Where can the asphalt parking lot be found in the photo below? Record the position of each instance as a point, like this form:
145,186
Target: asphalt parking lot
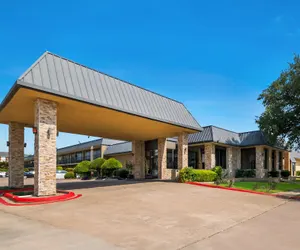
152,215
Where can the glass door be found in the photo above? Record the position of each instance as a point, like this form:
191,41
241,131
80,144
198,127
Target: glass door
152,164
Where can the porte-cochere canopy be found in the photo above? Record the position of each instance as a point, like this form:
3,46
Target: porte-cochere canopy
93,103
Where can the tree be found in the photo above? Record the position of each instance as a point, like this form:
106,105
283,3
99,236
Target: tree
280,122
83,168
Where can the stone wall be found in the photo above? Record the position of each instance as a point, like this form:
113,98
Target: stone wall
45,148
210,157
259,162
183,151
162,158
16,155
138,159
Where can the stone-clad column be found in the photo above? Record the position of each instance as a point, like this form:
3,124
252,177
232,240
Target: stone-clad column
162,157
138,151
92,153
286,156
16,155
270,159
199,158
183,151
210,156
277,160
259,162
238,158
45,148
229,162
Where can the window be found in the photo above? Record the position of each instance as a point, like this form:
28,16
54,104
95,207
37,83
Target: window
266,158
221,157
172,159
87,155
73,158
97,153
192,159
78,156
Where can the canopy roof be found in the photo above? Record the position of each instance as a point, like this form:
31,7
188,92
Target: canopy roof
57,78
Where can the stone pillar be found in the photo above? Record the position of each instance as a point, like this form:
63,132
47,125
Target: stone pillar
92,153
210,156
286,156
183,156
277,160
162,157
45,148
199,158
229,162
16,155
138,151
270,159
259,162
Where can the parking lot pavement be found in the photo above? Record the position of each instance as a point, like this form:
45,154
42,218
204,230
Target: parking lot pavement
159,215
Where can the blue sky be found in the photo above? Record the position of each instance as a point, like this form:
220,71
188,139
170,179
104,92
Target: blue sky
214,56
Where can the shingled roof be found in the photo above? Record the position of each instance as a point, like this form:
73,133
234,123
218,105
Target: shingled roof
59,76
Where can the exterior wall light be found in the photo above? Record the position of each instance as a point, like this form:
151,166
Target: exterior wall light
25,145
7,143
34,130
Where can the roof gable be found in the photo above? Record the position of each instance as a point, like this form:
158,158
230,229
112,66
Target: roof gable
57,75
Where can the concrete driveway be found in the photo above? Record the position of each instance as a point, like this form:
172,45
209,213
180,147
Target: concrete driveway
152,215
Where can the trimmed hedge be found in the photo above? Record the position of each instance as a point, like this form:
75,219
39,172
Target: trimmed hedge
69,169
298,173
285,173
70,175
97,164
245,173
82,167
274,173
199,175
109,167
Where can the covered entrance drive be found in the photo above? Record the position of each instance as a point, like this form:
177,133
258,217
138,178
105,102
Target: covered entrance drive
56,94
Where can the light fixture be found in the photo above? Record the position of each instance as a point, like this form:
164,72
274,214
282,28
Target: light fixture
34,130
25,145
7,143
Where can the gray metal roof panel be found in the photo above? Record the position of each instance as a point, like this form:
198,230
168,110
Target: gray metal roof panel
57,75
119,148
204,136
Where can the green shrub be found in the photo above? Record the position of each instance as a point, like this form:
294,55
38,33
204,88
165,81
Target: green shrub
4,164
69,169
97,164
285,173
199,175
70,175
245,173
26,170
110,166
82,167
298,173
274,173
122,173
59,168
219,171
3,169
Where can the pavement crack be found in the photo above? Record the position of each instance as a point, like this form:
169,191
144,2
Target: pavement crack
230,227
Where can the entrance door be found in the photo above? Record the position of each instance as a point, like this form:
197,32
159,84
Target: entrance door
152,164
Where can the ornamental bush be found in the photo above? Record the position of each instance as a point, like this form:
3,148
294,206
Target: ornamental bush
69,169
70,175
245,173
285,173
274,173
110,166
122,173
219,171
59,168
298,173
199,175
97,164
82,167
26,170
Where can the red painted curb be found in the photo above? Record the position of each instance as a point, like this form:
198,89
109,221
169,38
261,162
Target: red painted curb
5,203
232,189
16,198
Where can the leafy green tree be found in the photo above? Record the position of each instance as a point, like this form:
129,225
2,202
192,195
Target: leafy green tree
280,122
83,168
110,166
97,164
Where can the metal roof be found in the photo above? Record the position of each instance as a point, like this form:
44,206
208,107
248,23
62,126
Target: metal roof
57,75
120,148
224,136
86,145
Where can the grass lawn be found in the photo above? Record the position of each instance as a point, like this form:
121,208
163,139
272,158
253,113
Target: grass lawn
262,186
